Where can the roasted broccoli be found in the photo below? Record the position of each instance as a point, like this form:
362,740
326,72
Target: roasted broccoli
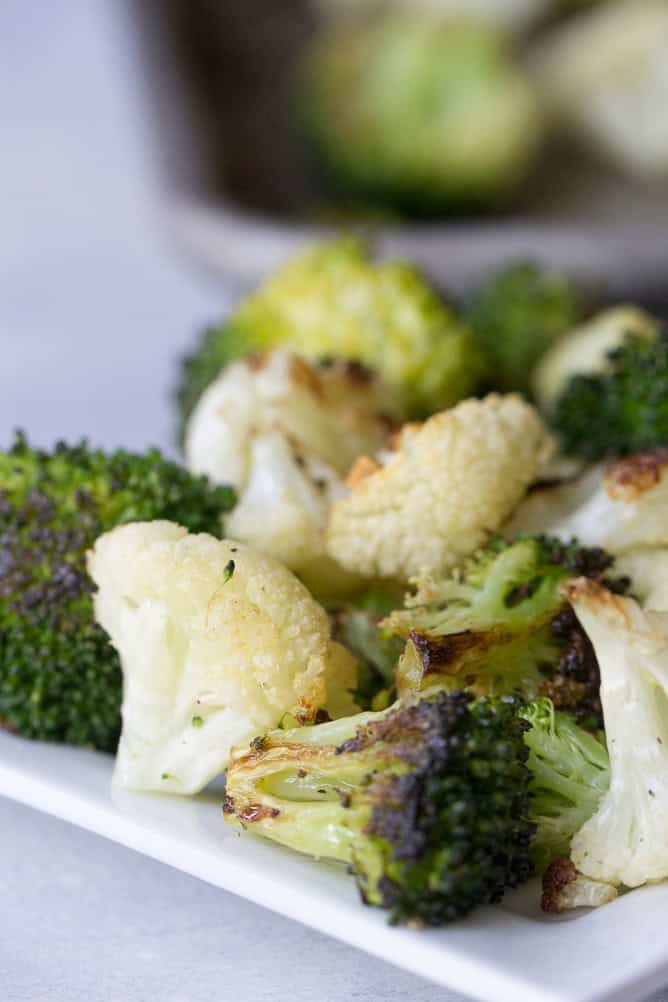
333,301
423,113
620,506
427,802
356,625
585,350
570,772
622,409
60,679
517,315
502,625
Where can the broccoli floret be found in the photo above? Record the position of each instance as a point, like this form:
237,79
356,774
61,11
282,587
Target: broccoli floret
427,802
421,113
585,350
60,678
517,315
622,409
333,301
570,772
356,625
502,624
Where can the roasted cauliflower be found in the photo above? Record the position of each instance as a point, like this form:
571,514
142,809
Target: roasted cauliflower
625,843
218,643
333,300
647,570
284,432
619,506
446,486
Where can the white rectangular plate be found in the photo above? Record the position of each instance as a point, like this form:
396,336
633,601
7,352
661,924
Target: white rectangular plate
510,952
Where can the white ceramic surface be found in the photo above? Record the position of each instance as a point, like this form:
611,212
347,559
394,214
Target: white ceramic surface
511,952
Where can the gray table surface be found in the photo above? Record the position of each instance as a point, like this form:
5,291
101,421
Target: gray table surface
94,310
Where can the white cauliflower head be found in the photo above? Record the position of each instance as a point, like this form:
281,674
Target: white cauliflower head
450,483
217,643
586,349
618,506
283,432
626,841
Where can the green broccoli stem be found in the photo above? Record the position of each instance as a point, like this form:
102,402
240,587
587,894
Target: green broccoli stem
296,783
426,801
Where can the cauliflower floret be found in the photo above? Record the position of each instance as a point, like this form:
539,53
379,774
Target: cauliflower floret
564,889
283,432
586,349
626,841
618,506
648,570
217,643
433,501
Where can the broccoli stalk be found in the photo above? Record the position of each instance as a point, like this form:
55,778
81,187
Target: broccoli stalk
427,802
60,678
623,408
570,772
503,625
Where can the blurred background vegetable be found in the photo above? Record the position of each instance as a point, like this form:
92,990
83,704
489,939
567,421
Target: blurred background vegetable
423,113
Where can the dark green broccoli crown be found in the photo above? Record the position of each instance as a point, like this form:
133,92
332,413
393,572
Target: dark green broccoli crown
570,772
448,826
60,679
621,410
517,315
502,625
427,802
